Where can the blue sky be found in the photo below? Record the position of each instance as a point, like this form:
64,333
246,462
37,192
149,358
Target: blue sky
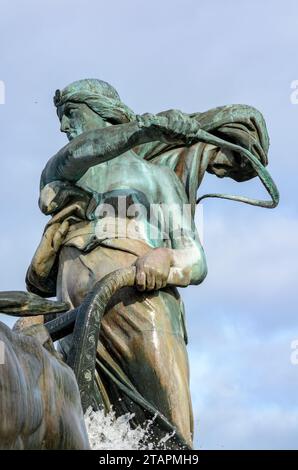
190,55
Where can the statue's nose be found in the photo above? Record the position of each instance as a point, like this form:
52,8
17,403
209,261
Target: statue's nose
64,127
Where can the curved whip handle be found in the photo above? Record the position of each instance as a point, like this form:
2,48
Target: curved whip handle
82,356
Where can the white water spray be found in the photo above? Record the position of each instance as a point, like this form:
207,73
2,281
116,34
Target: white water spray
107,432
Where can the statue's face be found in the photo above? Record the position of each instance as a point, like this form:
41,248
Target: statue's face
76,118
226,164
222,164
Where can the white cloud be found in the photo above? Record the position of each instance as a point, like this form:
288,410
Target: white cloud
252,268
244,393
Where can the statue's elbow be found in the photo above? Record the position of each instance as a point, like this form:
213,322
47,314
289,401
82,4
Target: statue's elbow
199,270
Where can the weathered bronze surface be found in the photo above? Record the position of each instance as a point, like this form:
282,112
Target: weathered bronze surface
39,398
115,266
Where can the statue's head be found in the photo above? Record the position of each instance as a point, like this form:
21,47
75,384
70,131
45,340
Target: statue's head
232,165
88,104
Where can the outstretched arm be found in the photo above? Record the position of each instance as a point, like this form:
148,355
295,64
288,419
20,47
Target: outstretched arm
99,145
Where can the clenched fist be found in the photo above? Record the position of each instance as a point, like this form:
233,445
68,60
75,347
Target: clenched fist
172,126
152,270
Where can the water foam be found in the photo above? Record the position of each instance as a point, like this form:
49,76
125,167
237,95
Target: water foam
108,432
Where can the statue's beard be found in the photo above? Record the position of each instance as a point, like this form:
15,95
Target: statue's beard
71,135
74,133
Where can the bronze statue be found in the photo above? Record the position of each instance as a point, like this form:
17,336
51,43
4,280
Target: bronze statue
100,189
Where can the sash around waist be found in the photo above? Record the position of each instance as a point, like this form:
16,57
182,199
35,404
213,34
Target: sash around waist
88,234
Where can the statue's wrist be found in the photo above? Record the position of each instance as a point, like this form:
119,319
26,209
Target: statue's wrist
140,121
151,126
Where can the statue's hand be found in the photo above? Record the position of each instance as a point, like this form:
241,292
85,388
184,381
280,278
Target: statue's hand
172,125
152,270
55,235
48,248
